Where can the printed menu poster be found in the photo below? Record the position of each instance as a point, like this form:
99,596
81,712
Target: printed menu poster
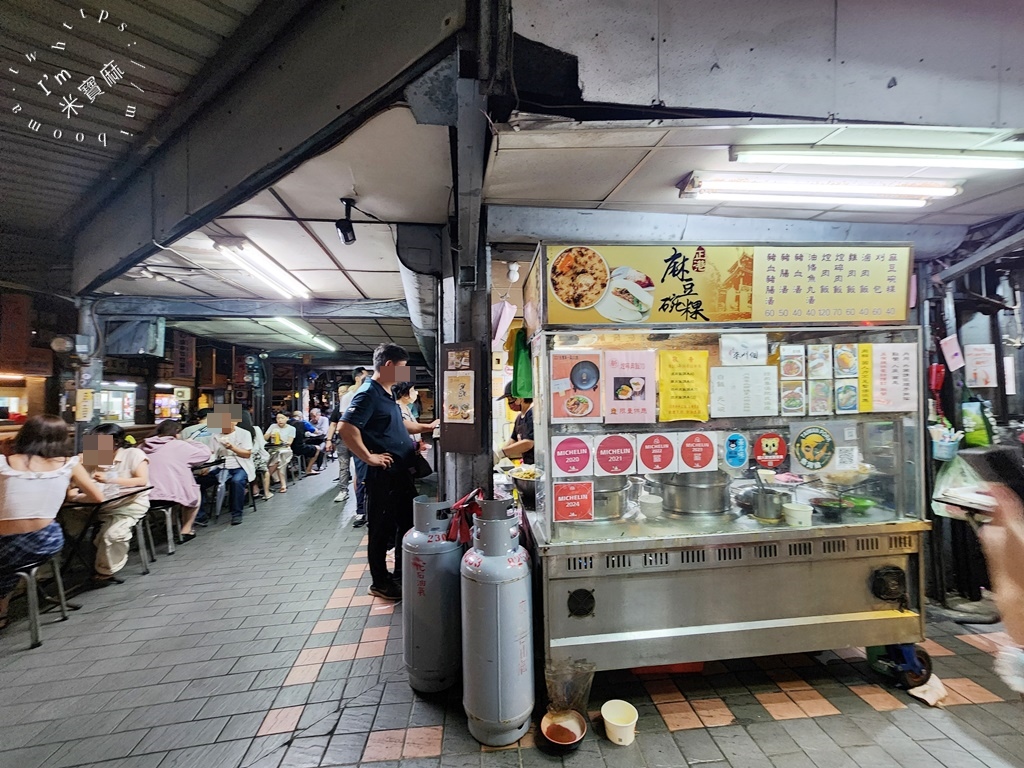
894,377
655,453
629,387
572,455
573,502
614,455
981,365
576,387
698,451
683,385
751,390
829,283
458,397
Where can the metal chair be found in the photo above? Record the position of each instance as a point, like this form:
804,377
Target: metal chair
27,573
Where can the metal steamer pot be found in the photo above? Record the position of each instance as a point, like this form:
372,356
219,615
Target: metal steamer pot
693,493
611,495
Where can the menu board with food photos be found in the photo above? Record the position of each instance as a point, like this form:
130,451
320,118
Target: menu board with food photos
576,383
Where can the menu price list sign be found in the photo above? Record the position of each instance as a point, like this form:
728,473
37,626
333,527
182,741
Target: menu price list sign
573,502
818,283
745,391
683,385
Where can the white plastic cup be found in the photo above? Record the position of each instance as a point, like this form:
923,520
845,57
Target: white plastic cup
619,721
651,506
766,475
797,515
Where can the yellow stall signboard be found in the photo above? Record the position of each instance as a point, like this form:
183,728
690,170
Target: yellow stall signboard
675,283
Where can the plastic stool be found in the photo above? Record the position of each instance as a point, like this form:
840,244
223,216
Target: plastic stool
32,589
144,536
172,519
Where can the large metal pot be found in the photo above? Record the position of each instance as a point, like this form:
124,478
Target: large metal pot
610,497
768,503
693,493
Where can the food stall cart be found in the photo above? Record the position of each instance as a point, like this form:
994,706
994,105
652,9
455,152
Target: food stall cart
679,371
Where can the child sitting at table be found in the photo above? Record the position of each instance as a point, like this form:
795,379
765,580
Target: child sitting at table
120,467
35,478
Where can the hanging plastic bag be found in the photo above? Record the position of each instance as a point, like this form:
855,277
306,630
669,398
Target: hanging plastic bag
522,367
460,529
956,479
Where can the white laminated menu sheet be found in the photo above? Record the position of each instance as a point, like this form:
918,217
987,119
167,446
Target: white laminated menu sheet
791,361
793,396
745,391
847,396
819,398
819,361
846,361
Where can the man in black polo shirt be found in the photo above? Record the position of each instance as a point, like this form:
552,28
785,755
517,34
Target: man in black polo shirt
373,429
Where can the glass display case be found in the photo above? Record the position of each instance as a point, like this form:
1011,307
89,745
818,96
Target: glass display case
729,450
828,417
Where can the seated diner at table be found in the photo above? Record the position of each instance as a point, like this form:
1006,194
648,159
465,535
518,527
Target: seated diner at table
234,445
120,467
35,479
170,470
279,437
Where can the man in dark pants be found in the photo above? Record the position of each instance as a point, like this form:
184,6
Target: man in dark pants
373,430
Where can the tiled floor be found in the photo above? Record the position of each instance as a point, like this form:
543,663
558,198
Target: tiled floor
258,646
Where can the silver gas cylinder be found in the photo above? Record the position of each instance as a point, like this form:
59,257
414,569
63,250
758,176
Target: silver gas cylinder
497,631
431,616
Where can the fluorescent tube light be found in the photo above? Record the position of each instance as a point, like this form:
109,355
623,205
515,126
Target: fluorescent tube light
325,344
740,197
294,326
777,183
876,156
269,268
11,377
246,267
125,383
161,385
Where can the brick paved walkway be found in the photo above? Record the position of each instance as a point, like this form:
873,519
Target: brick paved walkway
258,646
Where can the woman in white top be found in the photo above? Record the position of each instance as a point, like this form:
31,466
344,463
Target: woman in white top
34,481
279,438
120,467
405,395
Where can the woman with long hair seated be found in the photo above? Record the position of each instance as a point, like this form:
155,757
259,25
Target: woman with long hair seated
35,479
121,467
170,470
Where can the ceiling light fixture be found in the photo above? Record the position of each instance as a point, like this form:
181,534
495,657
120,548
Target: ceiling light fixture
809,154
743,197
294,326
718,186
325,344
513,271
346,231
261,267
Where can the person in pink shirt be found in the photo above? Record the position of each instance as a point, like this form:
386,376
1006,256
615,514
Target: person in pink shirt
170,471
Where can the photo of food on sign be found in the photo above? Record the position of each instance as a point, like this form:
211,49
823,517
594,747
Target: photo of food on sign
579,277
630,388
576,387
630,296
610,284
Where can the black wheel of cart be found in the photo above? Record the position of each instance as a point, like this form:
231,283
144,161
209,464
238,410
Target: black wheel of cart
908,679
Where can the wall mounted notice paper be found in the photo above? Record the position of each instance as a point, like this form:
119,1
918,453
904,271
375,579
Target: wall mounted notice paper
1010,374
981,365
682,385
629,387
951,351
459,396
576,387
893,378
743,348
747,391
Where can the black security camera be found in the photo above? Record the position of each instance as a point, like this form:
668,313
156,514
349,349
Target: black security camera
346,231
